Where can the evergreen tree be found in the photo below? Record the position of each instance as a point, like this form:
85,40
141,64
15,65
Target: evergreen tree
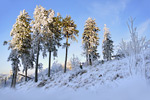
15,61
90,40
22,40
69,32
14,58
20,45
107,44
51,35
37,38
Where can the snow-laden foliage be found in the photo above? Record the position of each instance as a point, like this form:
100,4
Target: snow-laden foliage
69,31
37,28
40,20
90,40
135,45
14,58
15,61
20,44
51,35
134,50
56,67
75,62
107,44
21,33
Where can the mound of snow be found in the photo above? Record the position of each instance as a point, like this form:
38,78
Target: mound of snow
133,88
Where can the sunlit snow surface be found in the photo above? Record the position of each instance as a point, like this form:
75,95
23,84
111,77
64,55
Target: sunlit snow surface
133,88
110,81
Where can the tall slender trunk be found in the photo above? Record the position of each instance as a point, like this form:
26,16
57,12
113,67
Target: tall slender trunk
5,80
37,62
14,77
26,73
66,55
90,60
49,67
15,80
87,59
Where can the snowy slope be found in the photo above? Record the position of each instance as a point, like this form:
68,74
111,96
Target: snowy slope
109,81
129,89
89,77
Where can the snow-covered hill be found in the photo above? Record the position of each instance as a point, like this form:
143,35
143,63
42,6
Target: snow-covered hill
89,77
113,80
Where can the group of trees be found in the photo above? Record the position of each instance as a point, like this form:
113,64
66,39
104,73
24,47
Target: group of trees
44,33
91,42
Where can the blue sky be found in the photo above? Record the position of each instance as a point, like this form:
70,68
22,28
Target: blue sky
114,13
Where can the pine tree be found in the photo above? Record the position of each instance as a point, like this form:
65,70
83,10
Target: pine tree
22,40
107,44
20,45
15,61
14,58
90,40
37,38
51,35
69,32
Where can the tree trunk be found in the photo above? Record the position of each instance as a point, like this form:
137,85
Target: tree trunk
66,55
87,59
5,80
87,56
49,67
36,68
26,74
14,78
90,60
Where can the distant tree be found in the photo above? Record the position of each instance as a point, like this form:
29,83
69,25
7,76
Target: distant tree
90,40
75,62
69,31
107,44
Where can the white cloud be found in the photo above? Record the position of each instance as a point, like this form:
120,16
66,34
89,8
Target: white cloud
144,27
111,9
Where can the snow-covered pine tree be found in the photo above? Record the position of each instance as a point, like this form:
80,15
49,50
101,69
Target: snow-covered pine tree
107,44
37,28
90,40
20,44
51,35
14,58
15,62
21,33
69,31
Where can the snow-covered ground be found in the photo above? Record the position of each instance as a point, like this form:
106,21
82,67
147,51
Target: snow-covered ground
109,81
133,88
